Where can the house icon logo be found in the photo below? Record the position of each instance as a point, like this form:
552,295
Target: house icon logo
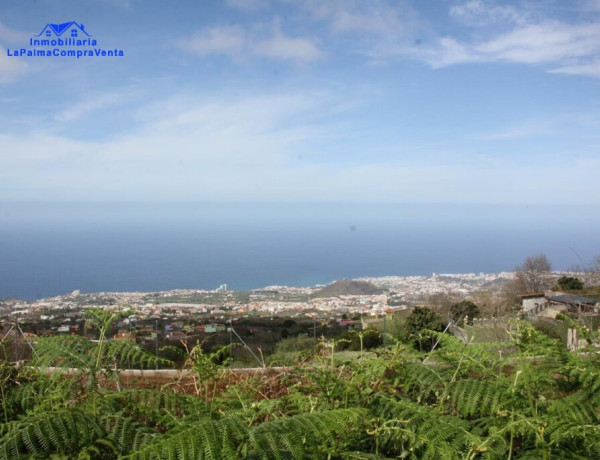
65,30
66,39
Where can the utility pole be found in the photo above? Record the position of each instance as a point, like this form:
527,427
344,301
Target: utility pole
156,341
248,348
16,344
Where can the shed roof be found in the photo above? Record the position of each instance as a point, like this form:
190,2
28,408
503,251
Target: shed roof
573,299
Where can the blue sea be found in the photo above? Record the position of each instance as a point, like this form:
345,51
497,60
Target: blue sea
48,249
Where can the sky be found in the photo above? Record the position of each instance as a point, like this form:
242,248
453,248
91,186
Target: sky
454,101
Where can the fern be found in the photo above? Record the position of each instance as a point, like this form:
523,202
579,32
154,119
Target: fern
308,436
465,401
208,439
302,436
156,408
476,398
579,440
577,407
573,424
130,354
582,372
126,434
424,383
481,359
407,428
62,432
69,351
78,352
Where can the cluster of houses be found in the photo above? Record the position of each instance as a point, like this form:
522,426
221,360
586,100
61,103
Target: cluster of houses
542,304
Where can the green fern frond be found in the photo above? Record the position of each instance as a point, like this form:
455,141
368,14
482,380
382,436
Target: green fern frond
78,352
579,440
303,436
423,383
63,432
129,354
309,435
151,407
38,392
126,434
357,455
208,439
578,407
70,351
583,373
483,359
476,398
410,428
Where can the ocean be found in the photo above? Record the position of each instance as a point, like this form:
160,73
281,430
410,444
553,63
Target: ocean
49,249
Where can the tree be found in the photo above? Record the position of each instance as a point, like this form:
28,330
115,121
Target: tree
423,319
464,310
569,283
493,302
535,275
592,274
441,302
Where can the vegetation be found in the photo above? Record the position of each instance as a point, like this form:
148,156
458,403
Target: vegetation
348,287
526,398
569,283
464,311
510,390
419,325
534,275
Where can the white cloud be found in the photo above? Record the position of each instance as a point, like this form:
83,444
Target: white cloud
505,33
448,52
591,69
238,43
382,30
374,17
562,47
591,5
183,150
483,13
11,67
543,43
248,149
125,4
228,40
519,132
247,5
8,35
376,29
91,105
281,47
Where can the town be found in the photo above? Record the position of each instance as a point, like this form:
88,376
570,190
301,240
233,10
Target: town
260,317
176,308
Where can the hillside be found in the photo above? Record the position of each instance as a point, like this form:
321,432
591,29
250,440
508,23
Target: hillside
348,287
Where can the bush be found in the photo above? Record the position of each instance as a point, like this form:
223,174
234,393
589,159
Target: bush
289,351
570,283
295,344
422,319
370,339
464,310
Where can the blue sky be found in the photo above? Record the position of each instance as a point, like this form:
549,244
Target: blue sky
466,101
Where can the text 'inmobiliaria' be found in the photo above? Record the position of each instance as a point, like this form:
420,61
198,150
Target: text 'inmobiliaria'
68,39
